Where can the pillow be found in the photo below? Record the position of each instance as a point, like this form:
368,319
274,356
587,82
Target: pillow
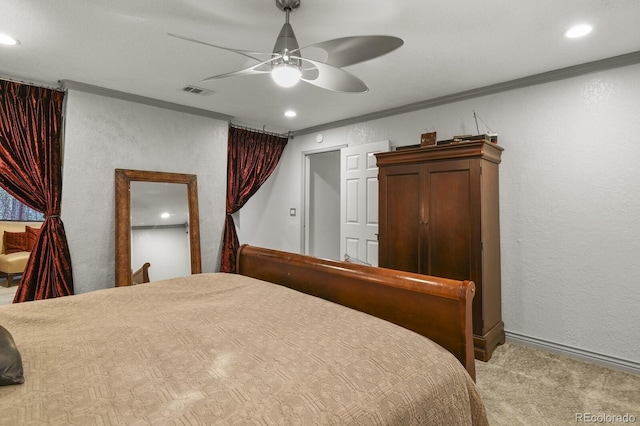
14,242
11,372
32,236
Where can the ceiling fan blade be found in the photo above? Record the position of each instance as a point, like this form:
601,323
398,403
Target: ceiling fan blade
333,78
342,52
252,70
309,73
246,53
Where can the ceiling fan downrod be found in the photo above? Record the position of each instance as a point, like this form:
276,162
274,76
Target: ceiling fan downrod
286,41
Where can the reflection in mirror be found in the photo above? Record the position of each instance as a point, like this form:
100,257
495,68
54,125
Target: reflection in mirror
170,244
160,229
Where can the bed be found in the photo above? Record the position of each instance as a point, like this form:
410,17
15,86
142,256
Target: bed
250,348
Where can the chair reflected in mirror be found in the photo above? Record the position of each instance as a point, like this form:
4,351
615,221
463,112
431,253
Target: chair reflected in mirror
141,276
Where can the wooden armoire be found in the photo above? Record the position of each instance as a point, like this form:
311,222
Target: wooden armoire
439,215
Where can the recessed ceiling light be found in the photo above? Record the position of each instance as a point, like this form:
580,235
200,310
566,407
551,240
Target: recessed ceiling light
165,215
578,31
290,113
8,40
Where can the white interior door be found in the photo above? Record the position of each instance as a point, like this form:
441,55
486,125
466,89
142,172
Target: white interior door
359,206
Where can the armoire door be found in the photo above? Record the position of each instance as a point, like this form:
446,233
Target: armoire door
450,219
453,237
400,218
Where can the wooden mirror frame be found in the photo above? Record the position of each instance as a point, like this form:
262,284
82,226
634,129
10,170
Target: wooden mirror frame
123,179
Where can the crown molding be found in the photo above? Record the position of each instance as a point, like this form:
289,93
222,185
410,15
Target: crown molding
67,85
542,78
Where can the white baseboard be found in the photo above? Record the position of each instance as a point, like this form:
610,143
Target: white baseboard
581,354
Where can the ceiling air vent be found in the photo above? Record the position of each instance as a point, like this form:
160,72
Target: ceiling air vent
197,90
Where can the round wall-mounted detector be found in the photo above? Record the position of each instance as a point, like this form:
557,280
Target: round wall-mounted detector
319,138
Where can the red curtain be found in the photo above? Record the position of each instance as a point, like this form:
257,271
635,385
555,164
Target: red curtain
251,158
30,170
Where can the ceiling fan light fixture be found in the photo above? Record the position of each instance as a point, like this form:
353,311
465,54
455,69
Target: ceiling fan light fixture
287,61
286,75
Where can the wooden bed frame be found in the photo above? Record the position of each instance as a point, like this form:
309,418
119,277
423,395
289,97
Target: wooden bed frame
437,308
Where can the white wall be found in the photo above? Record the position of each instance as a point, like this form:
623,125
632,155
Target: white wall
569,197
102,134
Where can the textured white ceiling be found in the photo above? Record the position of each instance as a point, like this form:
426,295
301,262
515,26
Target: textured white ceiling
450,47
150,199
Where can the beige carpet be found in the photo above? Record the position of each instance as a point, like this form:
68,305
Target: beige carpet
526,386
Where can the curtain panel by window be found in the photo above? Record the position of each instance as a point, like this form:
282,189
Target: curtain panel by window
30,170
251,158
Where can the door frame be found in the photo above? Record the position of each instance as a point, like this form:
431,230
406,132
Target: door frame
304,208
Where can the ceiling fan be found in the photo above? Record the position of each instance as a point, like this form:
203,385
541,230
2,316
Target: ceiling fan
287,66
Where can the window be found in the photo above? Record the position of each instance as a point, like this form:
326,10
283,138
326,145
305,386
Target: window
12,209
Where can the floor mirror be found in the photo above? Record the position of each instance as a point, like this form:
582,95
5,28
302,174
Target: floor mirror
152,210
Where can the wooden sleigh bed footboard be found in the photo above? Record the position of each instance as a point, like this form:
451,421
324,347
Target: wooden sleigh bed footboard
437,308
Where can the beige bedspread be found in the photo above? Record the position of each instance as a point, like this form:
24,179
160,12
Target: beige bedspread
225,349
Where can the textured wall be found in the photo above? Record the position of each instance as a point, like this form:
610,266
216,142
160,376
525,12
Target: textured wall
102,134
570,202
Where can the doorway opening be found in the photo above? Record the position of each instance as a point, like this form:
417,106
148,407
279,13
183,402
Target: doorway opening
341,202
321,237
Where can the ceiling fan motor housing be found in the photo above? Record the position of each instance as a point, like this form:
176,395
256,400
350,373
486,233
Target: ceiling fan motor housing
286,44
287,4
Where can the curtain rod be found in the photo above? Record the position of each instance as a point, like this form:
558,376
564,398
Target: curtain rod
280,135
31,83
